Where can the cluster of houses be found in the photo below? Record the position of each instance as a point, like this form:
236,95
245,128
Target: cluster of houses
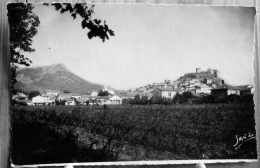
54,97
197,86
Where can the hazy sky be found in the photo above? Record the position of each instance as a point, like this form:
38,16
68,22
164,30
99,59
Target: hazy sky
151,43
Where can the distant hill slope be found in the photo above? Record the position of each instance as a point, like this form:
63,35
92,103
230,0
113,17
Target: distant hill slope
53,77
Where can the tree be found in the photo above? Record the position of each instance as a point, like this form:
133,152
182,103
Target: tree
23,23
33,94
103,93
182,98
96,29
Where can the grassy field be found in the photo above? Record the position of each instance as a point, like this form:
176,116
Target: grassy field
51,134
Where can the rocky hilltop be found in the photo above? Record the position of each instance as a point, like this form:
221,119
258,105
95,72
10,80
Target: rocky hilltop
201,76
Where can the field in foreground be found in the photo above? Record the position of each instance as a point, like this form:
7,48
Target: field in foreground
53,134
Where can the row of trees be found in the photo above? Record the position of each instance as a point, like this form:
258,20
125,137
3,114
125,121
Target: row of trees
178,99
188,97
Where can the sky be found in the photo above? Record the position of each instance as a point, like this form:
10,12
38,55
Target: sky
151,43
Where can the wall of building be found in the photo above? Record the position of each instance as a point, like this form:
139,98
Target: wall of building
169,95
245,92
157,93
115,100
38,99
206,90
236,92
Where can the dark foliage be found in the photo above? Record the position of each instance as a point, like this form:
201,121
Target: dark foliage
152,132
60,102
138,100
103,93
160,100
207,99
96,29
247,98
228,99
23,25
182,98
33,94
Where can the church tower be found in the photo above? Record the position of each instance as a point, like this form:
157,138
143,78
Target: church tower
105,87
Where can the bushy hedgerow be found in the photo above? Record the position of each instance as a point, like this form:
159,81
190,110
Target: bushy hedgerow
228,99
182,98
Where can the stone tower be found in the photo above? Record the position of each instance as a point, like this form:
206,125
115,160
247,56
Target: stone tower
215,72
198,70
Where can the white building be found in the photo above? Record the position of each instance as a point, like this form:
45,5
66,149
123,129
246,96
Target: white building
207,81
94,93
206,89
165,92
64,96
110,91
54,92
70,102
76,95
115,99
103,100
203,89
20,96
44,100
39,100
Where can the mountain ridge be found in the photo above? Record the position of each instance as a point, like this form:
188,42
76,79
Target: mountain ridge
52,77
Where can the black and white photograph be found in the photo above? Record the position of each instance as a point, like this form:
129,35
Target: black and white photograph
118,82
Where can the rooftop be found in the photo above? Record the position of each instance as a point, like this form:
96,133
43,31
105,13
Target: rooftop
225,86
75,94
245,87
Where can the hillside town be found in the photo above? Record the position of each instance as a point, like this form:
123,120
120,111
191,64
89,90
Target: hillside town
201,83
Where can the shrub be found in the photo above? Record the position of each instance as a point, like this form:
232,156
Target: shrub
182,98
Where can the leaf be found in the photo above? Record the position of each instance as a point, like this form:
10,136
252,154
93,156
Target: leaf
111,32
63,10
84,24
69,8
107,37
74,15
58,6
90,35
97,21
